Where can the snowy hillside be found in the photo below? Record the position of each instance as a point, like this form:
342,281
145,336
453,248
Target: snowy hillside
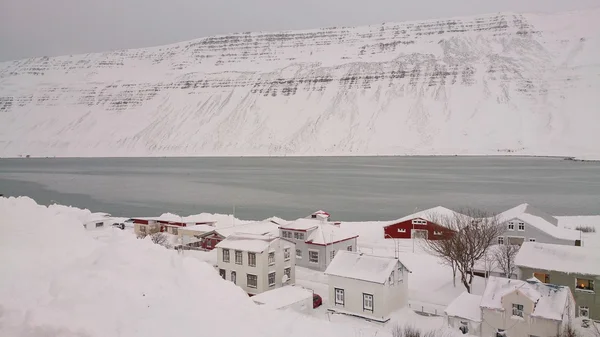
492,84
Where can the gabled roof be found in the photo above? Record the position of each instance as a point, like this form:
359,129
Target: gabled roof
249,242
320,232
550,300
465,306
362,267
431,214
540,220
200,228
257,227
302,224
560,258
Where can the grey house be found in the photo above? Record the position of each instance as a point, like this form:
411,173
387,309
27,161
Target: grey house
525,223
317,241
575,267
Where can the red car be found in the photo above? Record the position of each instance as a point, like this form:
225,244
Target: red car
317,301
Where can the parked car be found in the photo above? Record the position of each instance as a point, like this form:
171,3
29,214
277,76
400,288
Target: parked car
317,301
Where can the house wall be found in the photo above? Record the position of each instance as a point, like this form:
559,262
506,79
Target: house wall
151,228
387,297
262,268
456,322
533,232
582,297
324,251
403,230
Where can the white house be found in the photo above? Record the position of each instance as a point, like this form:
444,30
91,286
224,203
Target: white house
367,286
97,220
317,241
525,223
519,308
255,262
464,314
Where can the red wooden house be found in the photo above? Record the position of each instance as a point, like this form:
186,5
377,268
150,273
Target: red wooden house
424,224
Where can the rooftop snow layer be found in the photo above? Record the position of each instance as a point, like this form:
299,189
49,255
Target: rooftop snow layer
551,300
561,258
248,242
200,228
539,220
358,266
465,306
432,214
283,297
256,227
320,232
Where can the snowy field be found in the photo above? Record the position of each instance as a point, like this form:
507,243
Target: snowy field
59,279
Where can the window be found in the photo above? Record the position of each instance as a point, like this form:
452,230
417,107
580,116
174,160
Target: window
437,233
313,256
584,312
367,302
401,230
544,278
222,273
208,243
271,258
531,239
174,230
286,234
500,333
464,327
511,226
298,254
419,222
501,240
585,284
272,279
349,248
225,255
99,224
251,280
517,310
288,272
233,277
238,257
332,254
339,296
252,259
286,254
391,279
298,236
143,229
521,226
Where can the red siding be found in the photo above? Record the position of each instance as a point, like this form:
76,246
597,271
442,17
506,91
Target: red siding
402,230
213,239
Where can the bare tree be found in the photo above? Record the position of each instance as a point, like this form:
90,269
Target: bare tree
504,257
160,239
474,232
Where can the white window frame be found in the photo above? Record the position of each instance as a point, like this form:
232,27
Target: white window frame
310,260
438,233
531,239
391,278
272,275
271,258
299,256
401,230
287,254
368,302
590,282
226,257
248,281
516,311
501,240
419,222
584,308
339,296
350,248
241,256
288,272
519,225
250,264
332,254
511,226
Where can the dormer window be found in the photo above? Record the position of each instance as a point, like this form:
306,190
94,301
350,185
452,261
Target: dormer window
521,226
517,310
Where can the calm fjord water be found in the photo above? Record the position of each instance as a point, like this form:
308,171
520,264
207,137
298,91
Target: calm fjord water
350,188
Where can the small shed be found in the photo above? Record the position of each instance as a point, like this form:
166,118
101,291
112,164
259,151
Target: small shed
367,286
464,314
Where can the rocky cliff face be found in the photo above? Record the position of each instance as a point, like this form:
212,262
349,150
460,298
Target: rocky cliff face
493,84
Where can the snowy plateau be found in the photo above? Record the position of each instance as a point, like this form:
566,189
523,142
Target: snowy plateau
517,84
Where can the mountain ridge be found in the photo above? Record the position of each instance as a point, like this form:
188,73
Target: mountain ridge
490,84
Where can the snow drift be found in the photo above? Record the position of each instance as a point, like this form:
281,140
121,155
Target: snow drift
56,280
491,84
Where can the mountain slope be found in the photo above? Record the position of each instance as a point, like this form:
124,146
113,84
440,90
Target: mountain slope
492,84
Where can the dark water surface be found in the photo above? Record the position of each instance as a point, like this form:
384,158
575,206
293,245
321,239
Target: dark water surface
350,188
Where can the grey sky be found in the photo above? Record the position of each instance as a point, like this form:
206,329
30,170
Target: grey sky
58,27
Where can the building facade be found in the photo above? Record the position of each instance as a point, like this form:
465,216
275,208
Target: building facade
426,224
256,263
371,287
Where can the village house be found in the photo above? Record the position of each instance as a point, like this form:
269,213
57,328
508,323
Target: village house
427,224
199,236
519,308
525,223
488,265
367,286
464,314
256,262
317,241
97,220
577,268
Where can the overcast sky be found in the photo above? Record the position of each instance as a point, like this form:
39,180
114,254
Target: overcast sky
59,27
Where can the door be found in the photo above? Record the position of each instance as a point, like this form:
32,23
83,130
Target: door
222,273
419,233
516,240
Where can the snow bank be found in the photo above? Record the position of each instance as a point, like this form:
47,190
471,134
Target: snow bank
56,280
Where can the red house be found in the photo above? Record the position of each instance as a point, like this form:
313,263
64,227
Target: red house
424,224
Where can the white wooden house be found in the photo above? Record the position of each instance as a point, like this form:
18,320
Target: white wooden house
464,314
367,286
255,262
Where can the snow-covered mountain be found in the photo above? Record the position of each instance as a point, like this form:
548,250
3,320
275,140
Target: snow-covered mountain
492,84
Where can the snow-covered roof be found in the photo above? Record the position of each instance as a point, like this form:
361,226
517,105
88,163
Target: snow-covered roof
99,216
320,232
358,266
561,258
282,297
256,227
465,306
249,242
200,228
540,220
302,224
550,299
432,214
